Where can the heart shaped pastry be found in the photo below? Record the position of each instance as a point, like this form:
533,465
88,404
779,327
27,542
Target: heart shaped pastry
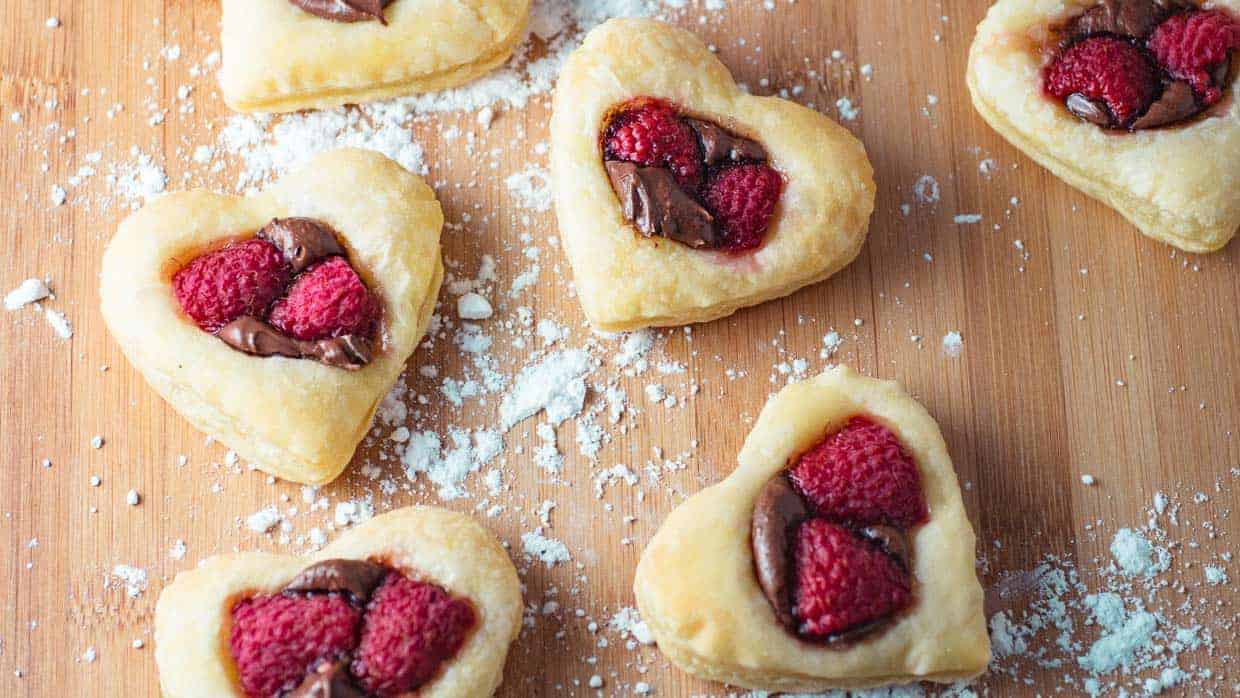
285,55
837,555
1133,102
276,323
419,601
680,197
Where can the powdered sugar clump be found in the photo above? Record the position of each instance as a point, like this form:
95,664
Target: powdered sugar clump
549,551
134,579
556,384
27,292
1135,555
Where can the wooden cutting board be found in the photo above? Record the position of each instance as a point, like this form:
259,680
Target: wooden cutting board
1087,349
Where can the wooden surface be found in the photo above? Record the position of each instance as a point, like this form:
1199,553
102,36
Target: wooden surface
1087,348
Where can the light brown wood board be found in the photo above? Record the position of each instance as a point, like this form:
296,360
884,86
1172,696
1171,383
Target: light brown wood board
1088,349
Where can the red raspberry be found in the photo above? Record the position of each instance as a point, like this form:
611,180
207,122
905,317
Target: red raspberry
653,135
861,474
241,279
277,640
327,300
1105,69
410,629
843,581
742,199
1190,44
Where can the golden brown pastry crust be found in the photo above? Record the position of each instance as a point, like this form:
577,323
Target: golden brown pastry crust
192,617
294,418
625,281
697,590
279,58
1179,184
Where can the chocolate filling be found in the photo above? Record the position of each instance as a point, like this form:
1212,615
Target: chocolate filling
655,203
659,206
1133,18
720,147
778,512
253,336
1135,21
345,10
302,241
776,516
358,577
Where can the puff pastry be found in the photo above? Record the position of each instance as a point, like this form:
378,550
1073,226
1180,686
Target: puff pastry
698,589
626,281
1179,184
451,550
278,57
294,418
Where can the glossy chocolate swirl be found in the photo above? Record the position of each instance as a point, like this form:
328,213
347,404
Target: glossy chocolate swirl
253,336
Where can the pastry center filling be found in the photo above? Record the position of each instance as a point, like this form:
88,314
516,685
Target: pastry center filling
346,628
830,535
346,10
1140,64
689,180
290,291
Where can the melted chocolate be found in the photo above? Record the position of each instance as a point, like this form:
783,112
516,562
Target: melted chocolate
357,577
345,10
651,198
1132,18
720,147
253,336
328,680
1092,110
776,515
1176,104
302,241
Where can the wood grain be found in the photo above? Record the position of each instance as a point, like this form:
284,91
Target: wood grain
1050,324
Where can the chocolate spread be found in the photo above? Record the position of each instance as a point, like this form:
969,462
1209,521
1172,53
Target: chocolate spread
778,512
358,577
651,198
776,516
720,147
1135,20
302,241
253,336
345,10
328,680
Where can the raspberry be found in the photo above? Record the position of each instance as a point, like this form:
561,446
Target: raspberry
742,199
843,581
652,135
1190,44
277,640
327,300
861,474
410,629
1105,69
241,279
